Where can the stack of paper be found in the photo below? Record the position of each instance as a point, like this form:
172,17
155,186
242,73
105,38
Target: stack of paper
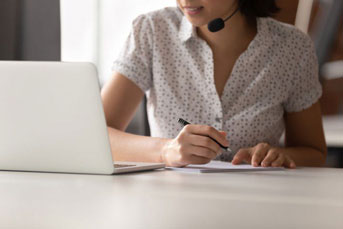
219,166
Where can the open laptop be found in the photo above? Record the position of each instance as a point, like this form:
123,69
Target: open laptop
52,120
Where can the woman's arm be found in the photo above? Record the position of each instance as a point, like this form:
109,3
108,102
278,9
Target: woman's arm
304,143
121,98
304,139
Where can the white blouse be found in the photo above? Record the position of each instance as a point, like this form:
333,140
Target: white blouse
277,73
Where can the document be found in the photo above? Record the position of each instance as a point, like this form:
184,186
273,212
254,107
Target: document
219,166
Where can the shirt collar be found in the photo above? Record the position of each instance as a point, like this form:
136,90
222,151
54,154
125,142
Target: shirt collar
186,30
263,35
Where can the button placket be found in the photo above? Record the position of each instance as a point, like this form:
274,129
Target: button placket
217,110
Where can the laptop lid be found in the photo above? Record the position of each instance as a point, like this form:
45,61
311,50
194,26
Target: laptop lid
52,119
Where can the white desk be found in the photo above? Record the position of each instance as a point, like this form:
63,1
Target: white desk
302,198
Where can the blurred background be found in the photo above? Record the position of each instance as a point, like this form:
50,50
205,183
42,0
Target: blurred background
95,30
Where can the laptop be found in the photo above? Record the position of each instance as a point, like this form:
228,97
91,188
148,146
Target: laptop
52,120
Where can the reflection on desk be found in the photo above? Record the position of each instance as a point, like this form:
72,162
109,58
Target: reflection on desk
301,198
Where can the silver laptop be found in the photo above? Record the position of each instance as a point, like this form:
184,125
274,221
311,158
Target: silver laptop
52,120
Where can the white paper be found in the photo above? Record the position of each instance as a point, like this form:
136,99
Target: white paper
219,166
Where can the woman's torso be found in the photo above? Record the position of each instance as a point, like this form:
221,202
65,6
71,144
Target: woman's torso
182,84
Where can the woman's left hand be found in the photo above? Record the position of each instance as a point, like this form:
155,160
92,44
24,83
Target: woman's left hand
265,155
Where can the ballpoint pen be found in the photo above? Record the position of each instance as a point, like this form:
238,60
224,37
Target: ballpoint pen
184,123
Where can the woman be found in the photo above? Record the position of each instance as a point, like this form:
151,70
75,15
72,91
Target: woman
252,79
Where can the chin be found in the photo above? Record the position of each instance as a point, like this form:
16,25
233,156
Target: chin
197,22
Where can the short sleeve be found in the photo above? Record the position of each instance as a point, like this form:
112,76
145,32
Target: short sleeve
305,88
135,59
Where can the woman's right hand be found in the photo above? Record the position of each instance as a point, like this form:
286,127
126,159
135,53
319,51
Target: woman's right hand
193,146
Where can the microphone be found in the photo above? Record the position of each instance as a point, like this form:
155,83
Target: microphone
218,23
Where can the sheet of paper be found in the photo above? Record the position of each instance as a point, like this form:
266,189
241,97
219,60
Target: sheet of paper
219,166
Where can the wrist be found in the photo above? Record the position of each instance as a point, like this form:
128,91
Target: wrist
165,142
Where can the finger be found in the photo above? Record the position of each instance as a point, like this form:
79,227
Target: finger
271,156
198,140
279,160
202,152
207,131
187,158
198,160
242,155
289,163
258,153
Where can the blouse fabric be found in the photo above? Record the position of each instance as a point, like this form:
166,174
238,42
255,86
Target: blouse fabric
277,73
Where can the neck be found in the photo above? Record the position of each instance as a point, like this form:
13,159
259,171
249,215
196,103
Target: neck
237,33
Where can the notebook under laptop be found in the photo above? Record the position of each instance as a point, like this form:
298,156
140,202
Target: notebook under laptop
52,120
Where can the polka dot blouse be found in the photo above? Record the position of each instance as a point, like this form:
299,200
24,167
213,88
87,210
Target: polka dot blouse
277,73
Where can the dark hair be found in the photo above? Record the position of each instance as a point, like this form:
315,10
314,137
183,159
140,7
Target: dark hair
258,8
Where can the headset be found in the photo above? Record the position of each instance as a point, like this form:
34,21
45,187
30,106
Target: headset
219,24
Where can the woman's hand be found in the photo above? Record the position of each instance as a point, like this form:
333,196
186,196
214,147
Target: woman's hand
265,155
193,146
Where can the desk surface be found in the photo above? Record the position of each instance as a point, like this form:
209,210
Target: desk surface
301,198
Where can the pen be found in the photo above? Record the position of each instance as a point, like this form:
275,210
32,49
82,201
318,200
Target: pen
184,123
